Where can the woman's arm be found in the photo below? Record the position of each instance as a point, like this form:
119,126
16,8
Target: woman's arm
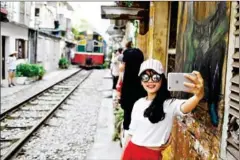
197,88
122,67
128,138
120,79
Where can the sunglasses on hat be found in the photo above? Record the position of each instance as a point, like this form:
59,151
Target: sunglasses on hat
155,77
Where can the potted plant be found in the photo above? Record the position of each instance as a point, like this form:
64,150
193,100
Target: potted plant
21,73
118,123
63,63
34,72
27,73
42,71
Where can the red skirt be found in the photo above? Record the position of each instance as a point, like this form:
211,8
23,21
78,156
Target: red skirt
135,152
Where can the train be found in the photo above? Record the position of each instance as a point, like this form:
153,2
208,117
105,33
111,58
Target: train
90,50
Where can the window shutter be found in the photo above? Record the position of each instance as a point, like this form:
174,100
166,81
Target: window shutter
233,145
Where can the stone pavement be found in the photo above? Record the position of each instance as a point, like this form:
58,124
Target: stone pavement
104,148
14,95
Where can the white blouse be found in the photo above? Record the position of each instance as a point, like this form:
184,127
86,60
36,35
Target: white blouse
145,133
12,62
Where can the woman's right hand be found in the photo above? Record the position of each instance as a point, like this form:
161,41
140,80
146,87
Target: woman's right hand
197,84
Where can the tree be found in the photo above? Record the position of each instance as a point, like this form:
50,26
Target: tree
75,33
83,25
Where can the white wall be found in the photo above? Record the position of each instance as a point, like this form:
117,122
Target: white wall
15,31
61,48
12,32
62,8
47,17
32,15
48,52
15,11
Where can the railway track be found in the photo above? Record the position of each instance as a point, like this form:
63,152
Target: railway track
20,122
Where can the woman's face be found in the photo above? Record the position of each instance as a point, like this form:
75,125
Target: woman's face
151,81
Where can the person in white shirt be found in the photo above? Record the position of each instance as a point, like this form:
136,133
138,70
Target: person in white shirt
115,67
12,63
153,116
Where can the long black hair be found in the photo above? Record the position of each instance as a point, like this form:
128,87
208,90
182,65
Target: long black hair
155,112
132,89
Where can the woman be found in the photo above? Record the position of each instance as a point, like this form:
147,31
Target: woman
121,68
11,61
153,115
115,68
131,89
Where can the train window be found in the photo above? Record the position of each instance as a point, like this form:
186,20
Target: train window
98,49
81,48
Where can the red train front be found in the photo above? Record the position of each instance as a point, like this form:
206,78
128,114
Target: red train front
90,50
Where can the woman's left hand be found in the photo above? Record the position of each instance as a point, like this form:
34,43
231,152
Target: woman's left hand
196,86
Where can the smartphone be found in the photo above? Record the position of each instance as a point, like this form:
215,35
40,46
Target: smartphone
176,81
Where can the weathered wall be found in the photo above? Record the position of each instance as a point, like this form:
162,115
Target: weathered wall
48,52
160,30
129,34
142,41
202,45
154,42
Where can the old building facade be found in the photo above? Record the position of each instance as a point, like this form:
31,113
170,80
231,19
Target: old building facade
24,26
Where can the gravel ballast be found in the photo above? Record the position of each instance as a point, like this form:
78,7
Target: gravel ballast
69,134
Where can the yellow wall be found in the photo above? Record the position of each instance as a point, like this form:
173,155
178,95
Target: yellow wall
160,31
142,41
154,43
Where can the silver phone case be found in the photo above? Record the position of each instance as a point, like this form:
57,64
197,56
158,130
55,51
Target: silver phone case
176,81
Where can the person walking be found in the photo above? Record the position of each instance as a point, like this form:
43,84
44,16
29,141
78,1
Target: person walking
115,69
153,115
12,63
131,89
121,69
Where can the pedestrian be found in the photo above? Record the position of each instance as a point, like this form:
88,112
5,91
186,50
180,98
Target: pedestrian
131,89
72,54
120,78
12,62
121,70
115,68
153,115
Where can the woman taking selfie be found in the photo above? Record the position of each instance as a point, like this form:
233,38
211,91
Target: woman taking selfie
153,116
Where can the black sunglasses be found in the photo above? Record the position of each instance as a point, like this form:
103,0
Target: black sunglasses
155,77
